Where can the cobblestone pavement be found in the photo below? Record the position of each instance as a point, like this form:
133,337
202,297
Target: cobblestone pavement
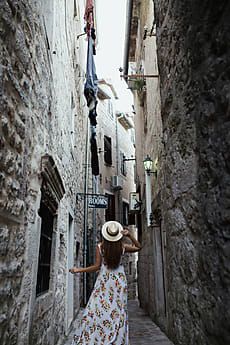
75,326
142,330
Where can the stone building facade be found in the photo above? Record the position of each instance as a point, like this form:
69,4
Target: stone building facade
141,59
43,121
190,199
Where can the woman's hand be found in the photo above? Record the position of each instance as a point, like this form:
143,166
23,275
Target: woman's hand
74,270
125,232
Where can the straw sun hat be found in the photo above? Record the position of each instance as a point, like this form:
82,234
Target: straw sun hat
111,231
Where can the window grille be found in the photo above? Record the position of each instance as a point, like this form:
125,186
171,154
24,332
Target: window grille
52,191
43,274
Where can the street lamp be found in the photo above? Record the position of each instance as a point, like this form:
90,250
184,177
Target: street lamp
148,165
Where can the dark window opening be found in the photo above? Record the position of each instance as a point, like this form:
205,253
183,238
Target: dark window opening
130,268
123,164
75,12
139,226
132,219
43,275
110,211
77,249
108,150
125,209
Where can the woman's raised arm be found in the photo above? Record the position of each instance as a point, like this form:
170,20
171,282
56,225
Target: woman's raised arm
92,268
135,247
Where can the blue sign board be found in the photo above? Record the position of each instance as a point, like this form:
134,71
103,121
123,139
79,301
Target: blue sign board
97,201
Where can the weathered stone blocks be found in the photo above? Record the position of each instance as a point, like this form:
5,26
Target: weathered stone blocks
33,116
194,62
4,240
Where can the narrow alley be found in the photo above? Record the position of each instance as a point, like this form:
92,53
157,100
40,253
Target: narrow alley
142,330
115,172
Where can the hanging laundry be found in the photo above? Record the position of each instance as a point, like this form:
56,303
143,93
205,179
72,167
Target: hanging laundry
94,155
90,28
93,115
93,35
89,18
90,92
90,89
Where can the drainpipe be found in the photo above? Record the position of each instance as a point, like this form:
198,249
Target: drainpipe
117,147
85,214
148,195
94,220
119,201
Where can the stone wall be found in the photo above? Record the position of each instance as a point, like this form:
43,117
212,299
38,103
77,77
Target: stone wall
42,112
194,59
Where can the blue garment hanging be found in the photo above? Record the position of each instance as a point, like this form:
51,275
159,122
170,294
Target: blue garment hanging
90,92
91,84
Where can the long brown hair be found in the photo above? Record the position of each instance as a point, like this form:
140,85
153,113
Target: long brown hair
112,252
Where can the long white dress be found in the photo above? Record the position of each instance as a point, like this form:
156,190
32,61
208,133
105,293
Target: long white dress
105,319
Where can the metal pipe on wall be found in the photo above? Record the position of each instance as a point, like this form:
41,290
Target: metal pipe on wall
86,172
118,193
148,195
94,220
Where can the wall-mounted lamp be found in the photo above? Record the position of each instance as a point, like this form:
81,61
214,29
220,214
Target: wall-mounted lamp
101,151
82,34
151,219
148,166
147,32
136,76
128,159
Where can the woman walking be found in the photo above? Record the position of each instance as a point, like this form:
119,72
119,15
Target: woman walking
105,319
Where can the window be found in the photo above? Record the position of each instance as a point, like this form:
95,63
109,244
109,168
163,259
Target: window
52,191
132,219
75,12
139,226
43,275
110,211
125,208
132,133
107,150
77,250
110,108
123,164
130,267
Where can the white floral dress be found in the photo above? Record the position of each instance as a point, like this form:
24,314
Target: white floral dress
105,319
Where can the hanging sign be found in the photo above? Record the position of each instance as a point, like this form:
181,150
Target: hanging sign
134,202
97,201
